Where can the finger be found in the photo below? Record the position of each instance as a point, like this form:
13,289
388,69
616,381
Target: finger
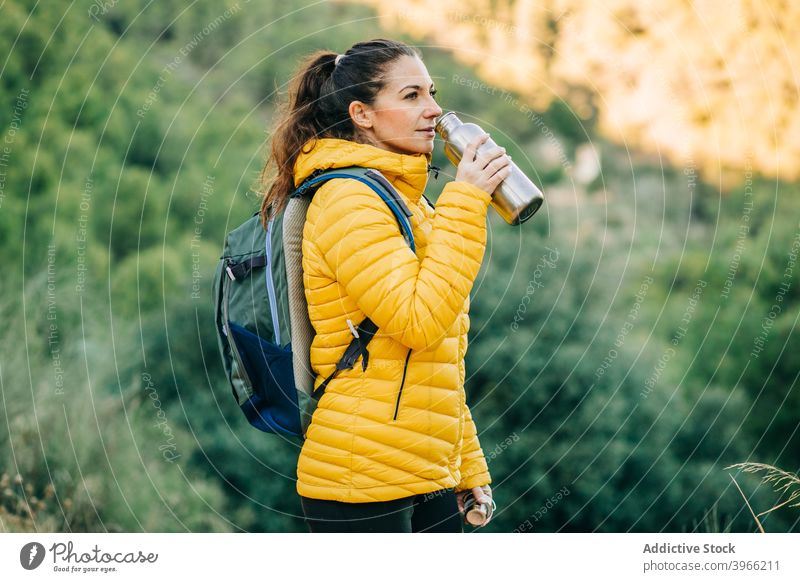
496,152
487,157
480,496
472,147
499,170
498,164
471,151
498,178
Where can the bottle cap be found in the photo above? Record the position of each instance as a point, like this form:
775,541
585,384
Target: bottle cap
477,514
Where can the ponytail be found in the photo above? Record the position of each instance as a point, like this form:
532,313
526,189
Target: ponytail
318,106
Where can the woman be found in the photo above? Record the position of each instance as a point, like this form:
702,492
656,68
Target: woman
392,447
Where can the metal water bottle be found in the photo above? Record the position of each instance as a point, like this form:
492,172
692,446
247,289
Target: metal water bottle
516,199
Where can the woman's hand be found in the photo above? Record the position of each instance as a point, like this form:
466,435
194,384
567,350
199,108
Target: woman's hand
485,169
482,494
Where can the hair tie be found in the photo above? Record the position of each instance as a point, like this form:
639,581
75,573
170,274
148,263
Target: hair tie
338,58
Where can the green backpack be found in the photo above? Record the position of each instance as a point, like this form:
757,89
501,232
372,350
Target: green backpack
261,314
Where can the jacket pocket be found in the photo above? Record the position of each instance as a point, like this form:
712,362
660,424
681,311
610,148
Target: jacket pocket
402,384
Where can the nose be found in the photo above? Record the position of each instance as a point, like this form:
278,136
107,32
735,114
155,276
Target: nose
433,110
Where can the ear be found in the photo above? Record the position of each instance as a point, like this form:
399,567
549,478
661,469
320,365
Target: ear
361,114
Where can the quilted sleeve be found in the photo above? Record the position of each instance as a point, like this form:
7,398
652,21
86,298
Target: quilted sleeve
474,470
415,302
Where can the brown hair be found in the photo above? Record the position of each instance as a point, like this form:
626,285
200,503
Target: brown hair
318,106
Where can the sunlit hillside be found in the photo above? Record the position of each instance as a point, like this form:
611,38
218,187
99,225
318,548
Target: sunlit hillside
714,81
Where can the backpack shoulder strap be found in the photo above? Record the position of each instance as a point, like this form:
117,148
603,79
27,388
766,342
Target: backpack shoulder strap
375,180
366,330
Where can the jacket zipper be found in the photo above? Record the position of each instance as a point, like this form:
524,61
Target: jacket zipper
402,383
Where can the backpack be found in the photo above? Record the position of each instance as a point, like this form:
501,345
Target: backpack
263,329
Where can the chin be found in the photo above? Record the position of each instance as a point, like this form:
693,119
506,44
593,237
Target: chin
427,148
416,147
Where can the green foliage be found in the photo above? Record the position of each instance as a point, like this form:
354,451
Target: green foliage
83,452
619,449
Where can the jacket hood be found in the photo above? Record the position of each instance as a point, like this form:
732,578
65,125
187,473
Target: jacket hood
406,172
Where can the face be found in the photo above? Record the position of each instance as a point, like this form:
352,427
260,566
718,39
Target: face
403,115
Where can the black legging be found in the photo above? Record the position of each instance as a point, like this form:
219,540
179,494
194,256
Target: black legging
427,512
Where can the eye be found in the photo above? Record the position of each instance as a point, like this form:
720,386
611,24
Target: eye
433,93
412,95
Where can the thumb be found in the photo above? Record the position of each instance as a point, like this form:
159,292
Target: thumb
480,495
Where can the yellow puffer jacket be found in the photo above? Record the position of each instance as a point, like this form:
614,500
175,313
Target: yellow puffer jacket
402,427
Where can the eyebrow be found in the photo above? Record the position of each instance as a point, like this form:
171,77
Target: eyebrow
417,87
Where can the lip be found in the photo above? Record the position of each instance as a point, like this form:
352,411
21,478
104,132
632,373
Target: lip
430,132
